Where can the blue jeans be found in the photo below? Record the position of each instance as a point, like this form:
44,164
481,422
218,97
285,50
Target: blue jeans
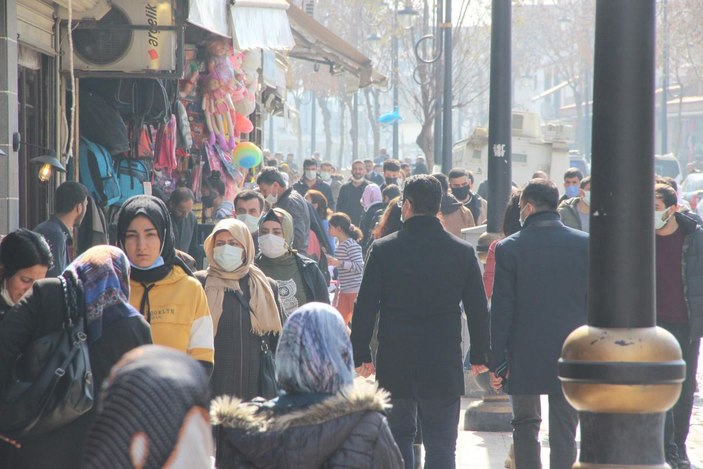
440,428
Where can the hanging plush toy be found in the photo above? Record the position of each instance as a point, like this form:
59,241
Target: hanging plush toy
220,114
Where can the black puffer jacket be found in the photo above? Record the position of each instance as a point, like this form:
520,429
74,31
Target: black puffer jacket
692,257
347,430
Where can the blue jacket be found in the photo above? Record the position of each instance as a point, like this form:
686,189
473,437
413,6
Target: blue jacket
539,297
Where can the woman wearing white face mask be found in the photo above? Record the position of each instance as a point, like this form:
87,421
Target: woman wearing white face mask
299,278
244,307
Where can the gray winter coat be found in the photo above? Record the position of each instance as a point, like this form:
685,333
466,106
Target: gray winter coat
347,430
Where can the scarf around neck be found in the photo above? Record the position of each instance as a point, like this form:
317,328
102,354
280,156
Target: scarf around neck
263,309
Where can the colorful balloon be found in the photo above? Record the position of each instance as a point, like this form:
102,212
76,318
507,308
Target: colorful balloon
389,118
247,155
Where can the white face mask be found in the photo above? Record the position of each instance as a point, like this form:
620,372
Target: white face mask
587,198
325,176
251,221
228,257
272,246
310,175
659,220
271,199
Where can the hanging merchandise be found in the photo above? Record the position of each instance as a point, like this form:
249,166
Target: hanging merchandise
189,96
145,145
165,146
132,177
97,173
228,89
249,76
217,98
185,141
102,124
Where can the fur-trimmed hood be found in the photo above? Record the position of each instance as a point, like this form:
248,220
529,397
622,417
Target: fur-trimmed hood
231,412
252,435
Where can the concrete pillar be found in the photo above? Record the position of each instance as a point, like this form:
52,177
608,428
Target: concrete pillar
9,171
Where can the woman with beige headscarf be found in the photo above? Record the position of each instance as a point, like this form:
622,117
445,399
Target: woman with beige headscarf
244,307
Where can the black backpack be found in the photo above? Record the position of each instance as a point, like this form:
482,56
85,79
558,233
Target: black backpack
102,124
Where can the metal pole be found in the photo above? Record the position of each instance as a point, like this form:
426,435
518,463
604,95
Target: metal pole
355,126
447,100
313,130
395,79
620,371
437,140
271,133
664,124
499,116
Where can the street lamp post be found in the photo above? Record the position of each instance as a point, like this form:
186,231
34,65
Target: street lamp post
620,371
395,79
447,162
664,125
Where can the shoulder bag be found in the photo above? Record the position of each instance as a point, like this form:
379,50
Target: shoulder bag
268,387
51,383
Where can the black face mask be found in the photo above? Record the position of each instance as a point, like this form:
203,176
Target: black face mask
207,200
390,181
461,193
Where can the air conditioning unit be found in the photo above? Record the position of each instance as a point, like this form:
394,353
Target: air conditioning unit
139,38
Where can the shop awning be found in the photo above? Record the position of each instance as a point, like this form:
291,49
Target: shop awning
210,15
316,43
261,24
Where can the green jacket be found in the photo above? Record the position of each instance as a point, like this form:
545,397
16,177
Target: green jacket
569,213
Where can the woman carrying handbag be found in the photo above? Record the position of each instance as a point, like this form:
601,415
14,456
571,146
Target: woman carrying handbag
245,311
98,282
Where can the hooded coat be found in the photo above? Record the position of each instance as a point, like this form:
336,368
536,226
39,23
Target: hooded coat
346,430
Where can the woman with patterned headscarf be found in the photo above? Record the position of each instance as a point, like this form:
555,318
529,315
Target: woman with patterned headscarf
322,418
153,414
163,288
98,288
244,307
299,278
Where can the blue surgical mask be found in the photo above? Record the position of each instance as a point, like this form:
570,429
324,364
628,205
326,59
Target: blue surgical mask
157,263
572,191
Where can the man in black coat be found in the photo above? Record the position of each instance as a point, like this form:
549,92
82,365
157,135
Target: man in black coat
539,298
415,280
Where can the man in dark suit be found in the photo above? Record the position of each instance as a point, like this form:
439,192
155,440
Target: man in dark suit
415,280
539,298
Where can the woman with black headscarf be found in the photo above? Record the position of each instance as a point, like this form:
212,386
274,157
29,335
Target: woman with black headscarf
163,288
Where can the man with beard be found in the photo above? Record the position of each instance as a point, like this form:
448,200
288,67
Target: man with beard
350,194
71,201
461,182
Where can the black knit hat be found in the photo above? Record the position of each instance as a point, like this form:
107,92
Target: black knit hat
148,394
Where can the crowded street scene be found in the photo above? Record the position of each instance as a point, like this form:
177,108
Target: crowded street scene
368,234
